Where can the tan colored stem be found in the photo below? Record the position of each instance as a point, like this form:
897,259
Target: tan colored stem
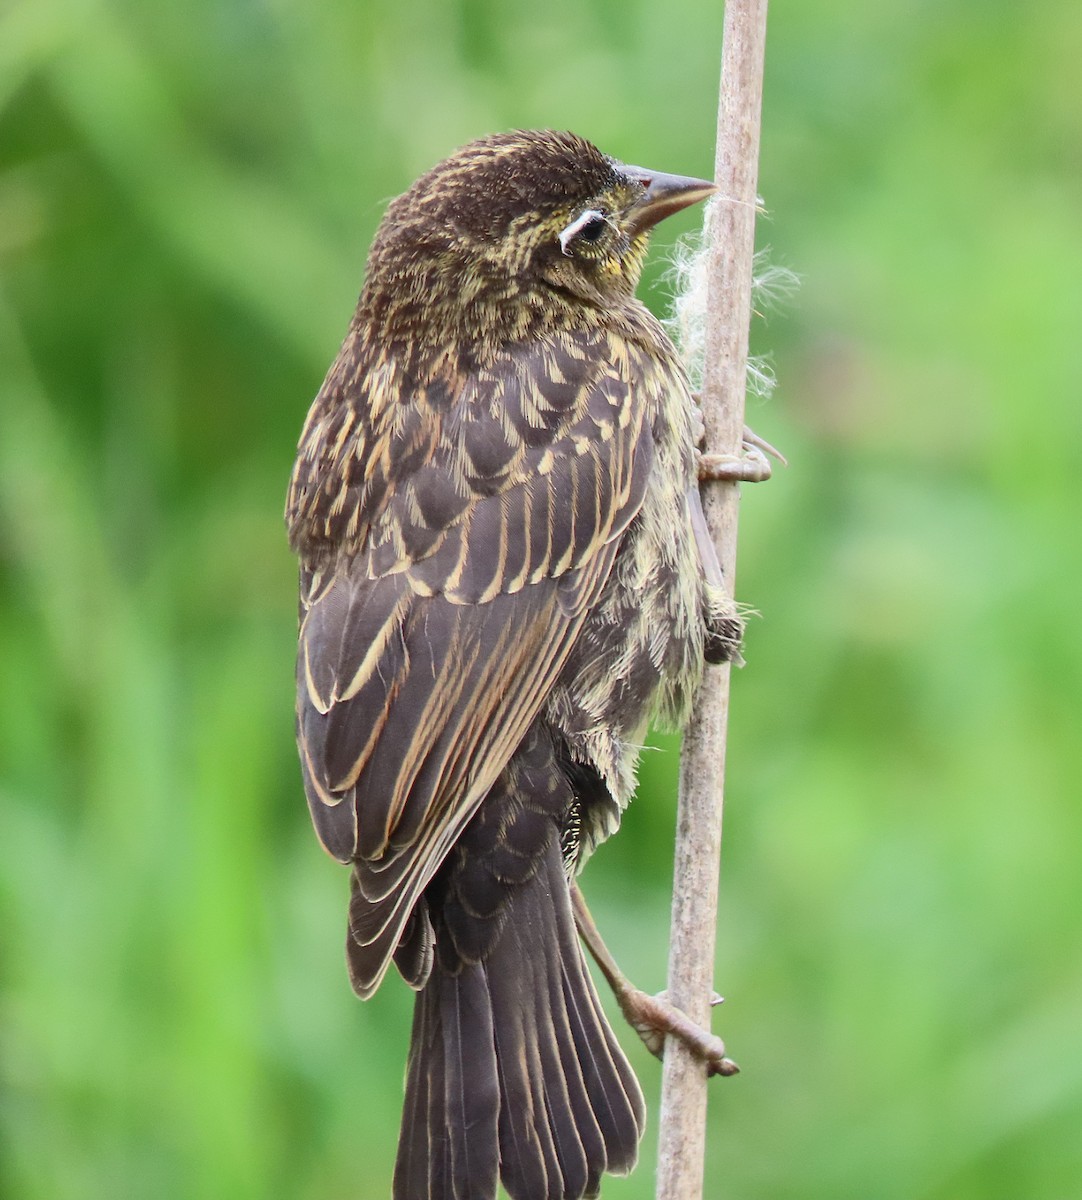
682,1144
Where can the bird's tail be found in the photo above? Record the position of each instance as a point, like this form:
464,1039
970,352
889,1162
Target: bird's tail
514,1073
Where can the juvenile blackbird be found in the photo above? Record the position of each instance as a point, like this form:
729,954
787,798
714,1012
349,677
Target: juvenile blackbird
503,581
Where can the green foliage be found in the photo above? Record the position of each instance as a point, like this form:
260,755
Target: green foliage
186,194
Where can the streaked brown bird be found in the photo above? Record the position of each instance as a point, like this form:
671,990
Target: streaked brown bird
503,582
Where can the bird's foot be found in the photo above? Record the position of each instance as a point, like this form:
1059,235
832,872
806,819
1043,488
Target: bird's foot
751,465
654,1018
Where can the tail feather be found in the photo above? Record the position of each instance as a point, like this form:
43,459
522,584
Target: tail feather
541,1151
421,1149
514,1072
471,1087
566,1138
619,1110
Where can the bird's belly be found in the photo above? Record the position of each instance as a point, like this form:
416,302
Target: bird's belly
639,657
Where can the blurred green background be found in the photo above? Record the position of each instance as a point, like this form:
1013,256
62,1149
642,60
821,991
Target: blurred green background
186,196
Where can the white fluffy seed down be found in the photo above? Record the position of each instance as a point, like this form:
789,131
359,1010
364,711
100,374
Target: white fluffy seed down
690,273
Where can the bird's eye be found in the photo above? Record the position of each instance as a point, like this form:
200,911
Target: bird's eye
588,225
592,230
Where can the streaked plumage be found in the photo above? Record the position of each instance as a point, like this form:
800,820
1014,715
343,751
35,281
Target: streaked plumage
495,508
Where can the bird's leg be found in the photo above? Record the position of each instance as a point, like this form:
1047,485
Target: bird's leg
652,1017
751,465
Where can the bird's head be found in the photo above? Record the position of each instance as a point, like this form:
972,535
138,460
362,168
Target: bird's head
516,226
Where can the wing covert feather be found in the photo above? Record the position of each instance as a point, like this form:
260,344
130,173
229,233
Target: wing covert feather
427,652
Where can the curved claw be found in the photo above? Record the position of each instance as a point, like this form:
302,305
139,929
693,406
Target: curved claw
751,438
715,998
752,465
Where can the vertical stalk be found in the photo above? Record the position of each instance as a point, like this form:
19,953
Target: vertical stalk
731,233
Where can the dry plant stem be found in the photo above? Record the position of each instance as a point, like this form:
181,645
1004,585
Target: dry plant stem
681,1151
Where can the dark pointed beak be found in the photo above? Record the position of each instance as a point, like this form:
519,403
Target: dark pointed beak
664,195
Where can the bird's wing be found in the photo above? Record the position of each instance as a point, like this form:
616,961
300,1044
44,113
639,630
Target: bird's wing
425,657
